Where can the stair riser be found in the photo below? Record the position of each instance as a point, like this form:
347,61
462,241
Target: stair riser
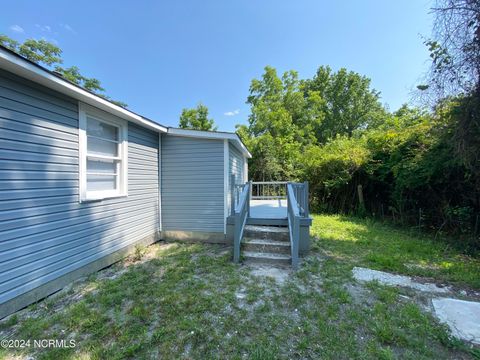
266,248
269,261
278,236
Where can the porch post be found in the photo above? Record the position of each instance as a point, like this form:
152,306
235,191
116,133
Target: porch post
249,197
307,209
232,196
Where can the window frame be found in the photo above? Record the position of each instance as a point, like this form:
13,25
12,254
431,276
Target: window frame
122,154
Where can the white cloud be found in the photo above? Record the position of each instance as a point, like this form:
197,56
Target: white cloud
44,28
232,113
68,28
51,40
17,28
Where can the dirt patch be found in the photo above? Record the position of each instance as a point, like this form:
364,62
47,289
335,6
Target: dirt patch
360,294
279,274
78,289
146,254
241,294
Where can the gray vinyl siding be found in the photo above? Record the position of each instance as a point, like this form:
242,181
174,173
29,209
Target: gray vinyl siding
236,164
235,167
44,231
192,184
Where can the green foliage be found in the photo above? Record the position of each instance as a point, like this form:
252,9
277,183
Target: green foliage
191,301
45,53
272,134
348,102
40,51
73,75
381,246
410,169
197,119
139,252
8,42
290,115
333,165
415,167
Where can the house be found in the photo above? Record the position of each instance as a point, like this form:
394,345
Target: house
83,180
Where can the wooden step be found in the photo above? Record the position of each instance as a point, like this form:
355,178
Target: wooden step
267,245
277,233
267,258
267,221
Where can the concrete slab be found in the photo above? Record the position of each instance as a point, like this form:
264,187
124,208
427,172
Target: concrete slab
462,317
364,274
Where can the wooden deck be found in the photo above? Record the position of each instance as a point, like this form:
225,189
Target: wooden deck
268,212
268,209
269,204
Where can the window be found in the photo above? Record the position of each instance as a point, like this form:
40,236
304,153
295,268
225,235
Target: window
103,155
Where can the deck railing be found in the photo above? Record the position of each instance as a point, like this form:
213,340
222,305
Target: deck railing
240,202
300,190
269,190
297,208
236,192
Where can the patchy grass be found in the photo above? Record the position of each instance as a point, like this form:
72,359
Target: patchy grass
190,301
364,242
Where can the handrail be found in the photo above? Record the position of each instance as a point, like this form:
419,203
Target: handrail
293,215
235,194
240,211
270,182
300,191
297,208
266,190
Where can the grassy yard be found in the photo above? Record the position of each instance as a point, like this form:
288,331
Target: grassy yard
191,301
382,247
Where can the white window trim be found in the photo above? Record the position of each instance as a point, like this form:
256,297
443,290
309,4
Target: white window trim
122,176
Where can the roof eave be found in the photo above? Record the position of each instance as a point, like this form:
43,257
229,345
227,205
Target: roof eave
26,69
211,135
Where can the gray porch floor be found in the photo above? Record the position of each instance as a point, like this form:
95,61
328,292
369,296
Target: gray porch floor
268,209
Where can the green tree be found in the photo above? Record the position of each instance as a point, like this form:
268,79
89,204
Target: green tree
272,135
9,43
348,102
278,107
197,119
289,114
47,54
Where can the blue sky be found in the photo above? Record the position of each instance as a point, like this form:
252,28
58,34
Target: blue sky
162,56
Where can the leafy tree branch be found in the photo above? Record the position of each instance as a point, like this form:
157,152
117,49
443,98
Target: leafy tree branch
49,55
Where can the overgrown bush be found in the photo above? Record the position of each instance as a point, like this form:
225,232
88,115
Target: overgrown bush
409,169
416,167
